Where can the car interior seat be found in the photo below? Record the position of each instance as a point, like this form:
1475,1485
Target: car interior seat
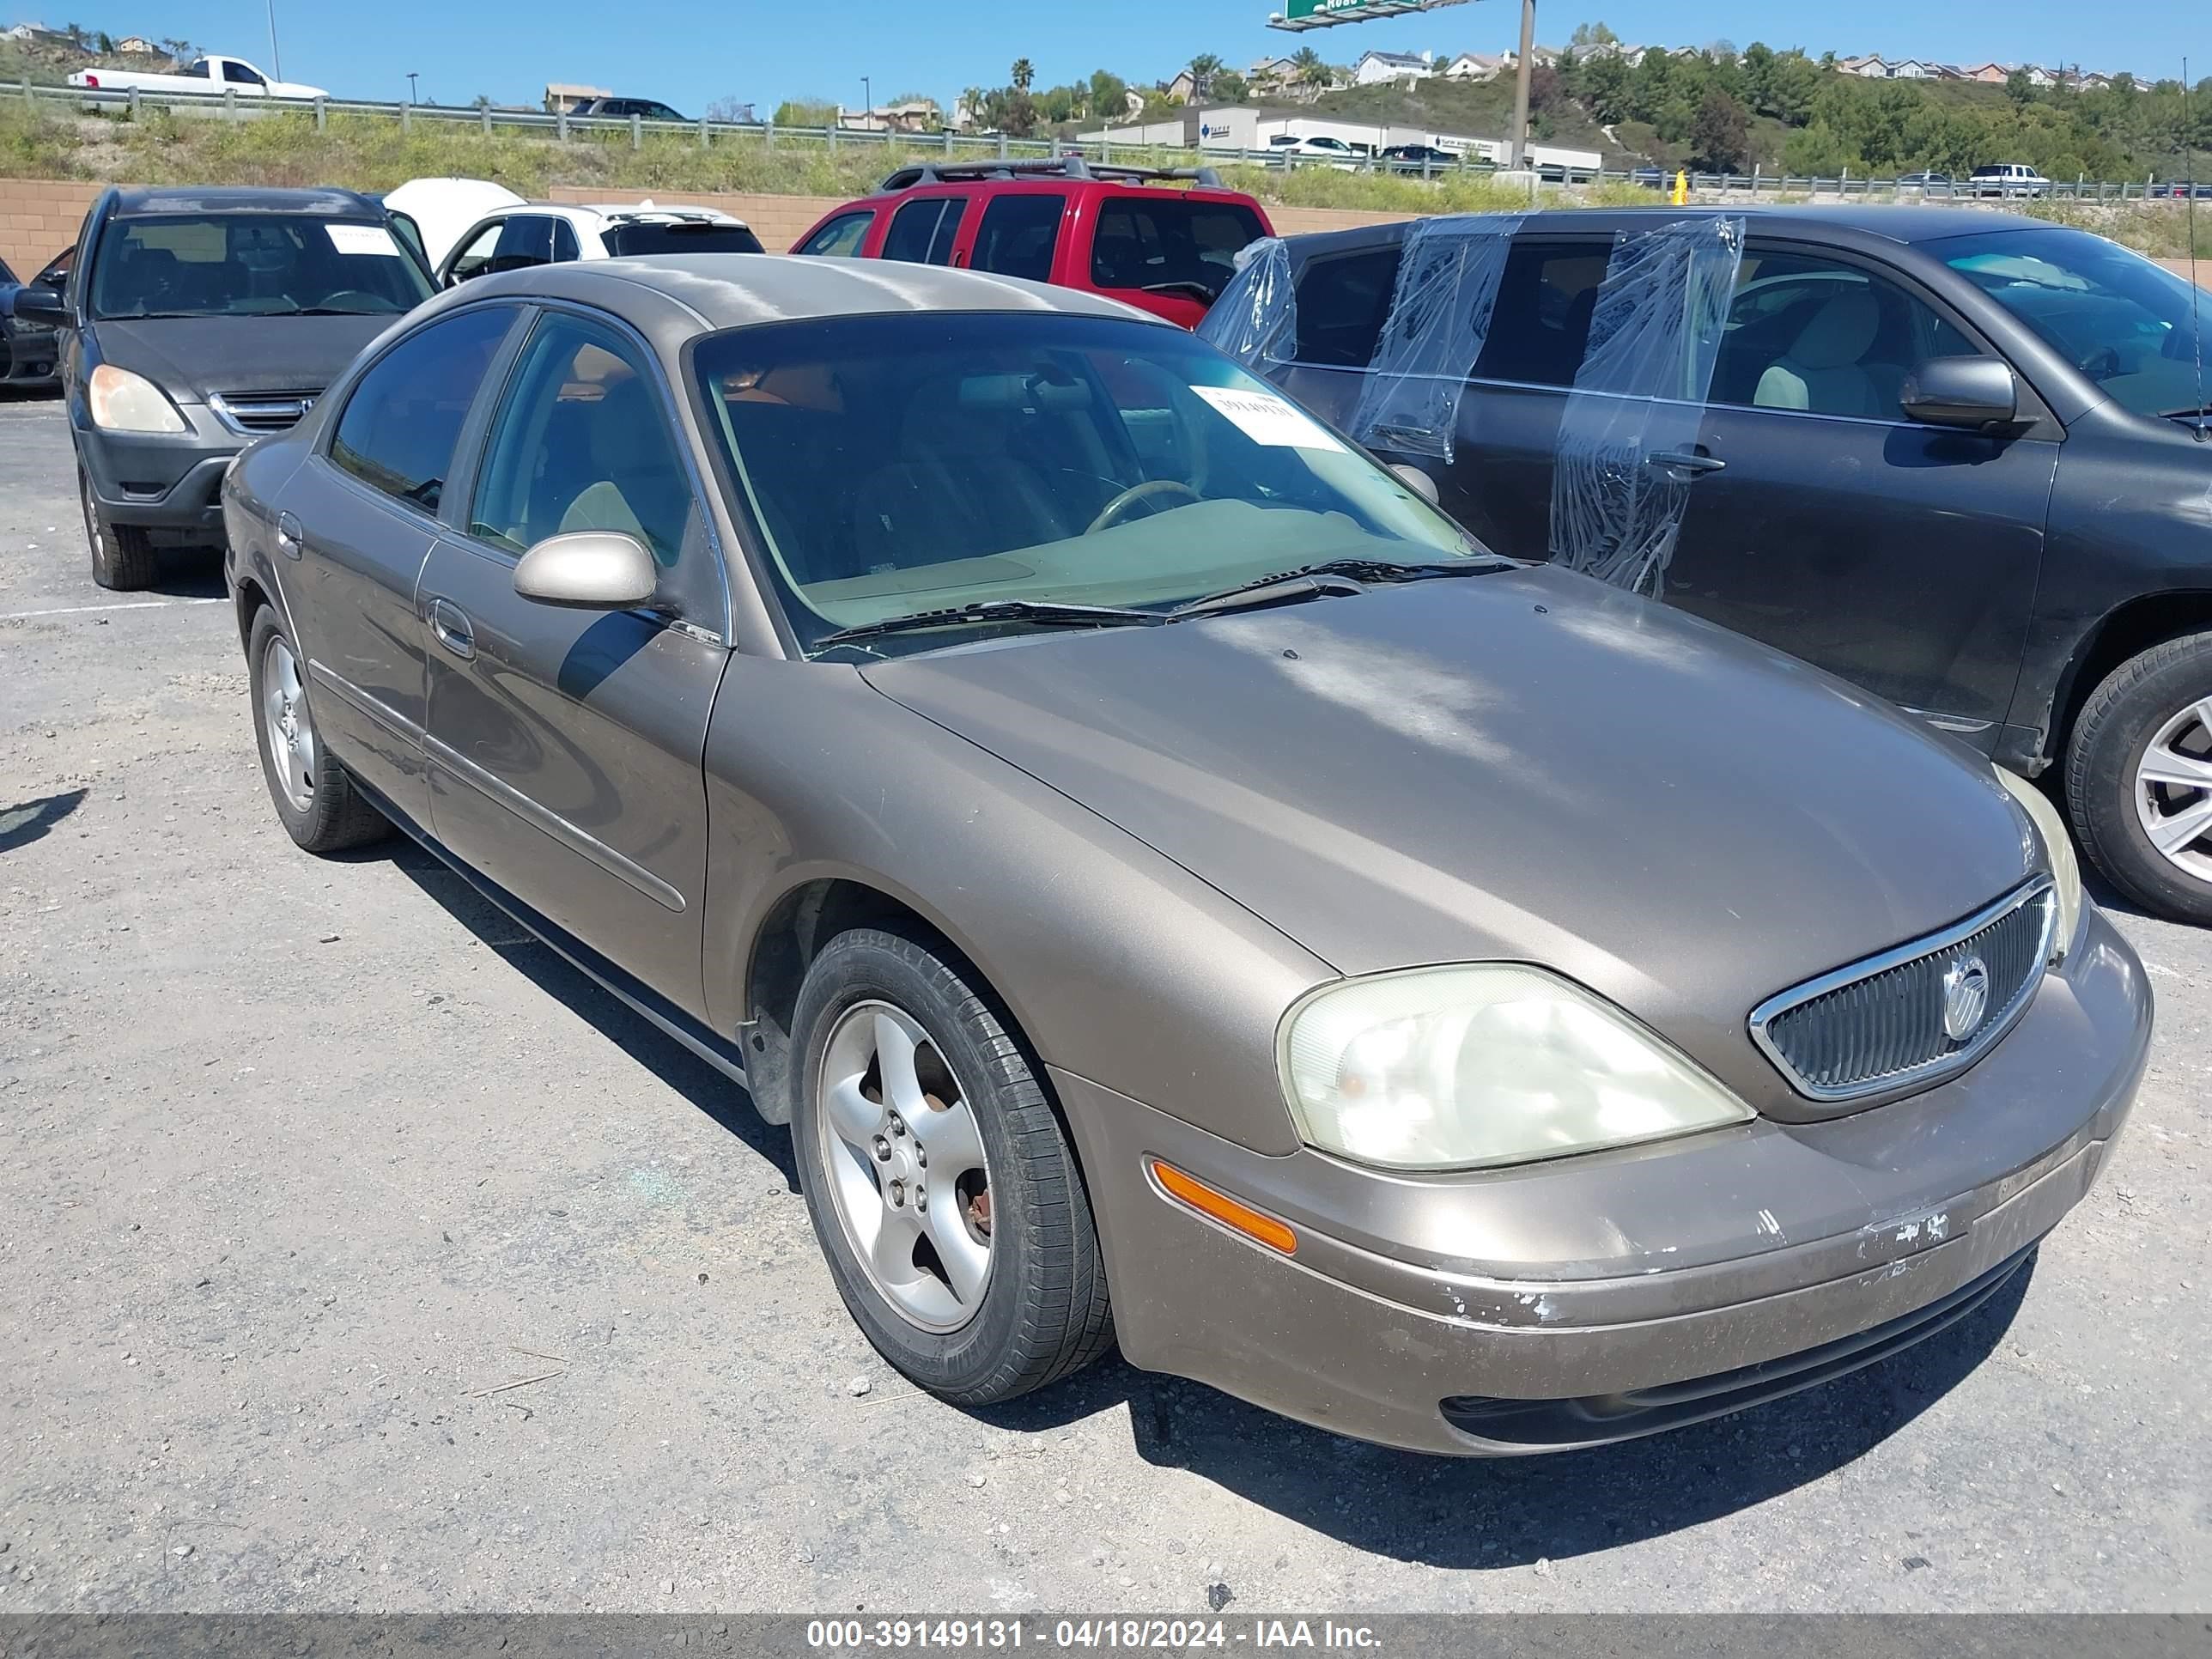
637,488
1825,371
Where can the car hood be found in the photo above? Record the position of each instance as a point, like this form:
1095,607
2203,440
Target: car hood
190,357
1523,765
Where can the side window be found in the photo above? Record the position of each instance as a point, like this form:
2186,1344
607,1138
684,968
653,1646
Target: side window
474,259
914,230
238,74
1342,304
1545,303
840,238
1813,334
526,241
948,230
582,442
565,244
404,415
1018,234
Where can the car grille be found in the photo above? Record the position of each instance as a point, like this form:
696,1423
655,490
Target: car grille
258,414
1911,1016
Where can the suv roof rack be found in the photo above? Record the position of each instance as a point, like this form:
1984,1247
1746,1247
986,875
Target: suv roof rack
1064,167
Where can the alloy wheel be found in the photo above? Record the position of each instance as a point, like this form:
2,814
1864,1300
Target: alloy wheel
2173,791
908,1175
285,720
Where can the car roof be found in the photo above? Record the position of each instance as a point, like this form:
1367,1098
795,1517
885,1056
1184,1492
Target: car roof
1907,226
148,201
737,291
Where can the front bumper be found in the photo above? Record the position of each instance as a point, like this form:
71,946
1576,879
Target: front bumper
1595,1299
162,481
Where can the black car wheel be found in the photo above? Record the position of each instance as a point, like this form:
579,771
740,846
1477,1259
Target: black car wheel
123,556
941,1181
2139,778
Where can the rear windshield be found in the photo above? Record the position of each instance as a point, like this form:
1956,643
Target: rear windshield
2128,325
1162,244
252,264
630,241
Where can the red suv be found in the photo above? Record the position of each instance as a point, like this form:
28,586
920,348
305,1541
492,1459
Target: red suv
1126,231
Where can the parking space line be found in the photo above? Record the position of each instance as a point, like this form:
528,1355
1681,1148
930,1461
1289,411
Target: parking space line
83,610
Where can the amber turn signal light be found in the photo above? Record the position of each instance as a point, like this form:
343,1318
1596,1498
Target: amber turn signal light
1242,1217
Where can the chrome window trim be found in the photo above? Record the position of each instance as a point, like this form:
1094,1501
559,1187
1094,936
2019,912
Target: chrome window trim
1944,1065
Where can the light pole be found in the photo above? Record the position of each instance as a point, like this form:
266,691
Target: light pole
867,98
411,74
276,58
1518,156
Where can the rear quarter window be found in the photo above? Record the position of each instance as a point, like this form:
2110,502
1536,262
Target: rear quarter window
1019,234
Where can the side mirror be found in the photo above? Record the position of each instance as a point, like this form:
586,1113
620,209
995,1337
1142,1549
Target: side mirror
1416,480
43,305
588,570
1976,393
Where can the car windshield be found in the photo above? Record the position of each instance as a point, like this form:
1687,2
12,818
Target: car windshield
252,264
627,242
2126,323
905,463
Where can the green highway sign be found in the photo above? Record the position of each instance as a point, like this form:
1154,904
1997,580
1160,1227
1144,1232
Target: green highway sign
1326,14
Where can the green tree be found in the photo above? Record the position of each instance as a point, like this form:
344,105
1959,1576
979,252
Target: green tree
1593,34
1109,96
1203,69
1023,73
2019,87
1720,138
806,113
1820,152
1312,71
1229,88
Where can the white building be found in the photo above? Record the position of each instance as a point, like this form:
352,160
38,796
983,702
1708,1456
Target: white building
1477,66
1376,68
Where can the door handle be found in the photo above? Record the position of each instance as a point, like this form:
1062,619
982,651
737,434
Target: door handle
451,626
1683,464
289,535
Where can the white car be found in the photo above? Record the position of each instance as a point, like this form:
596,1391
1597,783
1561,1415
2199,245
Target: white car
443,210
543,234
2008,179
211,74
1319,149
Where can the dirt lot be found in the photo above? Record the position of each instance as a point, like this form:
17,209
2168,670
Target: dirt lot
303,1163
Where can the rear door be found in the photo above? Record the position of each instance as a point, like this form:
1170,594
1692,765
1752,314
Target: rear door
1018,235
925,229
564,745
1904,557
360,519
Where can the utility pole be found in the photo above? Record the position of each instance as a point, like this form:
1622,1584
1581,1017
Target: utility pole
276,58
411,74
1517,157
867,97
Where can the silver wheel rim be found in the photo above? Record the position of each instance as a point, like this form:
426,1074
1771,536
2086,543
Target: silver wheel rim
284,720
903,1159
2173,791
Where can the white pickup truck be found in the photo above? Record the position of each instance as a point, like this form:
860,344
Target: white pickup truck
211,74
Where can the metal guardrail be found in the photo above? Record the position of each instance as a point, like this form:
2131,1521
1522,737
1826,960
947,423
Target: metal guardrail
229,104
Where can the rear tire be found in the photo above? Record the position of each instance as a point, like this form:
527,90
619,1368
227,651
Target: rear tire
122,555
1041,1309
315,796
2152,715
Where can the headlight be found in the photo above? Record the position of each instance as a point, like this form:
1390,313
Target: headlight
124,402
1463,1068
2058,846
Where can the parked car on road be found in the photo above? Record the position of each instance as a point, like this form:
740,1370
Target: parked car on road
1953,456
646,109
2008,179
1177,887
1321,148
196,321
1930,184
1165,241
511,238
213,75
27,348
1412,158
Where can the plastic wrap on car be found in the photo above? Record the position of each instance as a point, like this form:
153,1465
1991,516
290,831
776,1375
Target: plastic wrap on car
1255,320
1439,317
1641,393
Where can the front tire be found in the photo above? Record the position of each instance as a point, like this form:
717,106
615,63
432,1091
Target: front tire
2139,778
941,1187
124,558
321,809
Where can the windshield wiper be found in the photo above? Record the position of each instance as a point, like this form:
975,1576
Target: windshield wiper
1044,611
1310,582
2190,413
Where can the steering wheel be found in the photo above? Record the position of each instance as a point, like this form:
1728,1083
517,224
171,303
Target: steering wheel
1117,509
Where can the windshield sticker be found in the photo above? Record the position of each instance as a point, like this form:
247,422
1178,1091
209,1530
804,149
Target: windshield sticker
1267,419
373,239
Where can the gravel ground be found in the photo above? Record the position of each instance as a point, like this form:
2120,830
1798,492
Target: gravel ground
358,1254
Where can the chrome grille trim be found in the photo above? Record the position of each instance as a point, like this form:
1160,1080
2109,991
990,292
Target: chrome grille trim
1887,1009
258,414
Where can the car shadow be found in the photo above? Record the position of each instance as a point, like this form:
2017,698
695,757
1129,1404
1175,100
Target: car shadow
31,820
1456,1513
700,1084
190,573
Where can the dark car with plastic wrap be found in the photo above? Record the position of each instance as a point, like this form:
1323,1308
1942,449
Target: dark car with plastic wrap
1961,458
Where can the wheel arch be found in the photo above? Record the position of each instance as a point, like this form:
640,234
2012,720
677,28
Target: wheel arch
2126,631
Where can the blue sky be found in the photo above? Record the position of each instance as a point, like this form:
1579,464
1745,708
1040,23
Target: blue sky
692,51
